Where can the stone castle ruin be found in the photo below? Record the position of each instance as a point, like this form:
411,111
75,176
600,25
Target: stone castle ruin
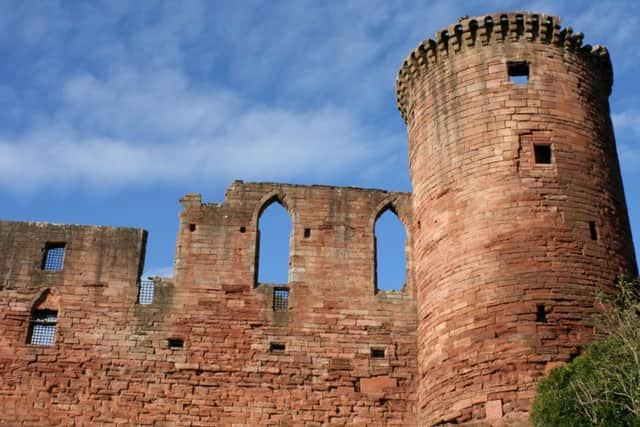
517,216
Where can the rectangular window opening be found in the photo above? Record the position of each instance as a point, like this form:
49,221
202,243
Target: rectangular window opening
276,347
174,343
593,230
192,227
147,289
53,259
541,313
518,72
280,299
307,233
377,353
43,327
542,154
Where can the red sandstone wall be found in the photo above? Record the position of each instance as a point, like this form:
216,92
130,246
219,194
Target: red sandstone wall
497,234
111,365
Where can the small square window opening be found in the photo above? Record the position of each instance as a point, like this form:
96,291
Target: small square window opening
43,327
280,299
275,347
518,72
53,257
542,154
377,353
175,343
192,227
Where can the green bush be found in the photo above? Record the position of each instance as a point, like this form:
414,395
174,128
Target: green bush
602,386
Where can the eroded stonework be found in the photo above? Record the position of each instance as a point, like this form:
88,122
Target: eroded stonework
517,216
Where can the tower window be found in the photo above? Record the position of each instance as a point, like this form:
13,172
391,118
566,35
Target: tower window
53,259
518,72
42,330
307,233
593,231
541,313
542,154
280,299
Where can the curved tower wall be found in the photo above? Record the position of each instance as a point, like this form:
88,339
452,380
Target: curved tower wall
509,252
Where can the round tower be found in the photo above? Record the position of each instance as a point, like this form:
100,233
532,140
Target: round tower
518,204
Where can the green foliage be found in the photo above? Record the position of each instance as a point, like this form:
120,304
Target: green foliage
602,386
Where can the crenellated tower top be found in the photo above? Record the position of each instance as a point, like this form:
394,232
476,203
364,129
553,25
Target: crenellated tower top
480,31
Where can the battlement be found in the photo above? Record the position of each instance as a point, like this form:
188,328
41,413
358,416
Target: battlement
499,28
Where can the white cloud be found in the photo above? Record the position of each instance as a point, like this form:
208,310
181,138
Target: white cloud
170,134
130,94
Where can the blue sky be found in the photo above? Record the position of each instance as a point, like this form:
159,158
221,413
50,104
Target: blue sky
113,110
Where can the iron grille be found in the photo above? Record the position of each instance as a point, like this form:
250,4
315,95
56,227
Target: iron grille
53,257
280,299
146,292
43,327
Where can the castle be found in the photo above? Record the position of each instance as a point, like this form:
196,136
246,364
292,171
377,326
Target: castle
516,217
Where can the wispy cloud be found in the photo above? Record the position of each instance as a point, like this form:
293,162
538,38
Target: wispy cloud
116,94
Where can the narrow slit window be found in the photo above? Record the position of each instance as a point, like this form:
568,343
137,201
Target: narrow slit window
275,347
280,299
53,259
42,330
175,343
147,289
377,353
518,72
593,230
541,313
542,154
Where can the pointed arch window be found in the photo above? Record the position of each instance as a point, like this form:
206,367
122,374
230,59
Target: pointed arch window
390,251
274,234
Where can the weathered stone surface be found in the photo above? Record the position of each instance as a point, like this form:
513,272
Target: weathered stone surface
506,264
111,362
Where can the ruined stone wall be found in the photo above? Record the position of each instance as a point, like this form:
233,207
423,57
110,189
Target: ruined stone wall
241,362
518,204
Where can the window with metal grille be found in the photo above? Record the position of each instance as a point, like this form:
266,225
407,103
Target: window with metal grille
145,295
53,257
280,299
43,327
